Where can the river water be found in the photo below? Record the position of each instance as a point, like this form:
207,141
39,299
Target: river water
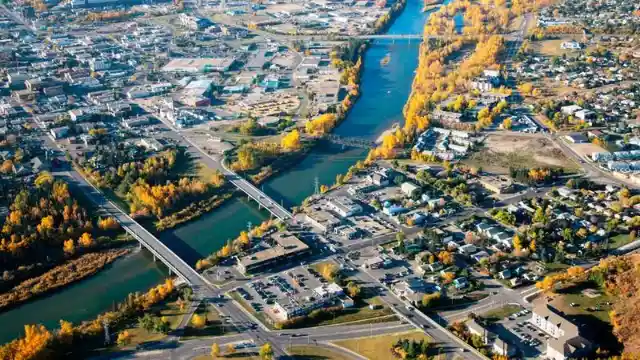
384,89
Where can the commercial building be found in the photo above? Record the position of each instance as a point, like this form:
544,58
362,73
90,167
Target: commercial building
344,206
565,341
199,65
305,302
285,246
497,184
323,220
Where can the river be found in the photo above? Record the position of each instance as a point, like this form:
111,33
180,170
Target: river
384,89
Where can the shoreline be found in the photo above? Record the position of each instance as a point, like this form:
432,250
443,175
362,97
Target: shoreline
104,259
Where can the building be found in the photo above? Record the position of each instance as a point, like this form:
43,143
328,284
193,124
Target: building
577,138
322,220
497,184
305,302
344,206
566,341
285,247
410,189
59,132
196,65
194,22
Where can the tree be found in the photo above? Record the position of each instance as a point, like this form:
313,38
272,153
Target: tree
507,123
215,350
146,322
429,300
231,349
7,167
291,141
244,238
86,240
353,289
198,321
445,257
266,352
124,338
517,243
69,247
44,179
108,223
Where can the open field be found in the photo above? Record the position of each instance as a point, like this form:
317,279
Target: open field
379,347
502,151
583,305
552,47
501,312
586,149
170,312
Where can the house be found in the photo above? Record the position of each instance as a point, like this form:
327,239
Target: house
505,274
577,138
570,45
410,189
570,109
480,255
460,283
378,179
566,341
467,249
477,329
59,132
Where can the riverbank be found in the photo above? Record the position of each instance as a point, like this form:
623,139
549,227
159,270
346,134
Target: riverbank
58,277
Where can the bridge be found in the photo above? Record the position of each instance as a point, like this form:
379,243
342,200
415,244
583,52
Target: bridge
349,141
156,247
255,194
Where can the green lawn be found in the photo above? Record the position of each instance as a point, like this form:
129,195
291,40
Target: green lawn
214,326
169,311
586,306
619,240
378,347
501,312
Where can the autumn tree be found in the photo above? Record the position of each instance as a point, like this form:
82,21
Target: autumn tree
198,321
291,141
215,350
124,338
231,349
266,352
86,240
69,247
353,289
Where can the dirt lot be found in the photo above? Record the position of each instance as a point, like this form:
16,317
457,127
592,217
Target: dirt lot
586,149
503,151
552,47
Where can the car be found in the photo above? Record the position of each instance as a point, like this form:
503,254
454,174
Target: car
462,349
574,304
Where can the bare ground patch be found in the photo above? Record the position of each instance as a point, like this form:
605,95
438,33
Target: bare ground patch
503,151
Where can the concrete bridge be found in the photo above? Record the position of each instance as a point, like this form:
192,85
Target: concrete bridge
156,247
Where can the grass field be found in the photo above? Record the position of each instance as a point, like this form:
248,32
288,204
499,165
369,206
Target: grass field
214,326
501,312
585,306
619,240
170,311
315,353
378,347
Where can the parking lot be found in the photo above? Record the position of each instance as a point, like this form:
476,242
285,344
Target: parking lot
518,331
262,294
